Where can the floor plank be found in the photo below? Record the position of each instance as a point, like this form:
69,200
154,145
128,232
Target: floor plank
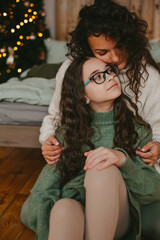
19,169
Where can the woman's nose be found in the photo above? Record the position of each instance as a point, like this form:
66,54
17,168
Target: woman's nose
114,57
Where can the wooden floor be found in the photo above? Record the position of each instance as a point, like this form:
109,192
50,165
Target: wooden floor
19,169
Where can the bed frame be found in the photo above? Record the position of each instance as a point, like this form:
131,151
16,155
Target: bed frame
19,136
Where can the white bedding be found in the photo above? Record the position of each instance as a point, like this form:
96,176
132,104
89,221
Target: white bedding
31,90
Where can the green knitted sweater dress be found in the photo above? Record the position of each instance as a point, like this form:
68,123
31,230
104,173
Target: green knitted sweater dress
142,181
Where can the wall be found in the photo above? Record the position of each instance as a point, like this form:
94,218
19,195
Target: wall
49,7
61,15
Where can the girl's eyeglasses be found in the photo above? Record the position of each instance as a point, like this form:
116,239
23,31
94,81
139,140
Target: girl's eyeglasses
100,77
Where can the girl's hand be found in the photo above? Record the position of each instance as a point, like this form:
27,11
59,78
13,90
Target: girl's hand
149,153
107,156
51,150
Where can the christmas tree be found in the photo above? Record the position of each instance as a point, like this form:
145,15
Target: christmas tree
22,31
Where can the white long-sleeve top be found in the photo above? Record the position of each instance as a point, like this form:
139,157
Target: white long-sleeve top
149,106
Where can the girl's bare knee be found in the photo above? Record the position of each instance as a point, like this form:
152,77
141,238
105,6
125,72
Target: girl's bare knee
99,178
65,206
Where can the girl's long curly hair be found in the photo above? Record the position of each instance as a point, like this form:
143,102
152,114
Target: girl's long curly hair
115,22
77,116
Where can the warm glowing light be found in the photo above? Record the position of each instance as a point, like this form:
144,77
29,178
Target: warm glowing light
33,17
17,1
4,54
30,20
35,13
18,43
15,48
17,26
8,70
26,15
32,4
29,10
25,21
4,14
27,37
40,34
19,70
20,37
12,30
21,23
0,55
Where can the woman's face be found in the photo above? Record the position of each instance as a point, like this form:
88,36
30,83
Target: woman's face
100,96
105,50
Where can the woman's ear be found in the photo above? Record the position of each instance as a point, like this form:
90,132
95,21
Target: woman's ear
87,100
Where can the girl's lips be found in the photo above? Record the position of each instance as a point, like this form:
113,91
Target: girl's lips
114,85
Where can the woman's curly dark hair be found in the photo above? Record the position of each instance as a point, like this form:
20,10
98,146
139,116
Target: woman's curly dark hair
118,23
77,116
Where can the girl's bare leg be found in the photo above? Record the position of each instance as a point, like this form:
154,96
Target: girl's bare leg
66,220
107,208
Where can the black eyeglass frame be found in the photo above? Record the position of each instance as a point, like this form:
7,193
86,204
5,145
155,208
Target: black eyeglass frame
104,74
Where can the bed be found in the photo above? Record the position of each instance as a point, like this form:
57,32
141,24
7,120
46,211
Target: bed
24,104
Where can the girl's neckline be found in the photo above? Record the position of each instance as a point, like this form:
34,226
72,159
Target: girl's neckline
104,117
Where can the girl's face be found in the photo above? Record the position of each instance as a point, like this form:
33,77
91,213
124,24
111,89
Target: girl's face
105,50
100,96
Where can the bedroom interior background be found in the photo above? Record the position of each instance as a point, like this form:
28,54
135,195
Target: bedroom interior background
61,17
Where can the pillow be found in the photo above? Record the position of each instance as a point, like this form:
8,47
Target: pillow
44,70
56,51
155,50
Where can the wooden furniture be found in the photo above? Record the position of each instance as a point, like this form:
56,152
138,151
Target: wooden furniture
19,136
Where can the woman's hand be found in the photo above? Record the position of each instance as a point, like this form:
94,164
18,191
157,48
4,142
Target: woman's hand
51,150
149,153
107,156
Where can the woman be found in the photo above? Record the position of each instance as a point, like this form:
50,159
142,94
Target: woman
97,123
113,34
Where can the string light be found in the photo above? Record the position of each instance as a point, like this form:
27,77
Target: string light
30,20
35,13
21,23
19,70
32,5
12,30
8,70
25,21
0,55
40,34
29,10
26,15
4,54
17,26
15,48
21,37
4,14
17,1
18,43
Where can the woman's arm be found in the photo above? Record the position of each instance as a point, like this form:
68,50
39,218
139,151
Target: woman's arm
47,129
51,149
148,106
